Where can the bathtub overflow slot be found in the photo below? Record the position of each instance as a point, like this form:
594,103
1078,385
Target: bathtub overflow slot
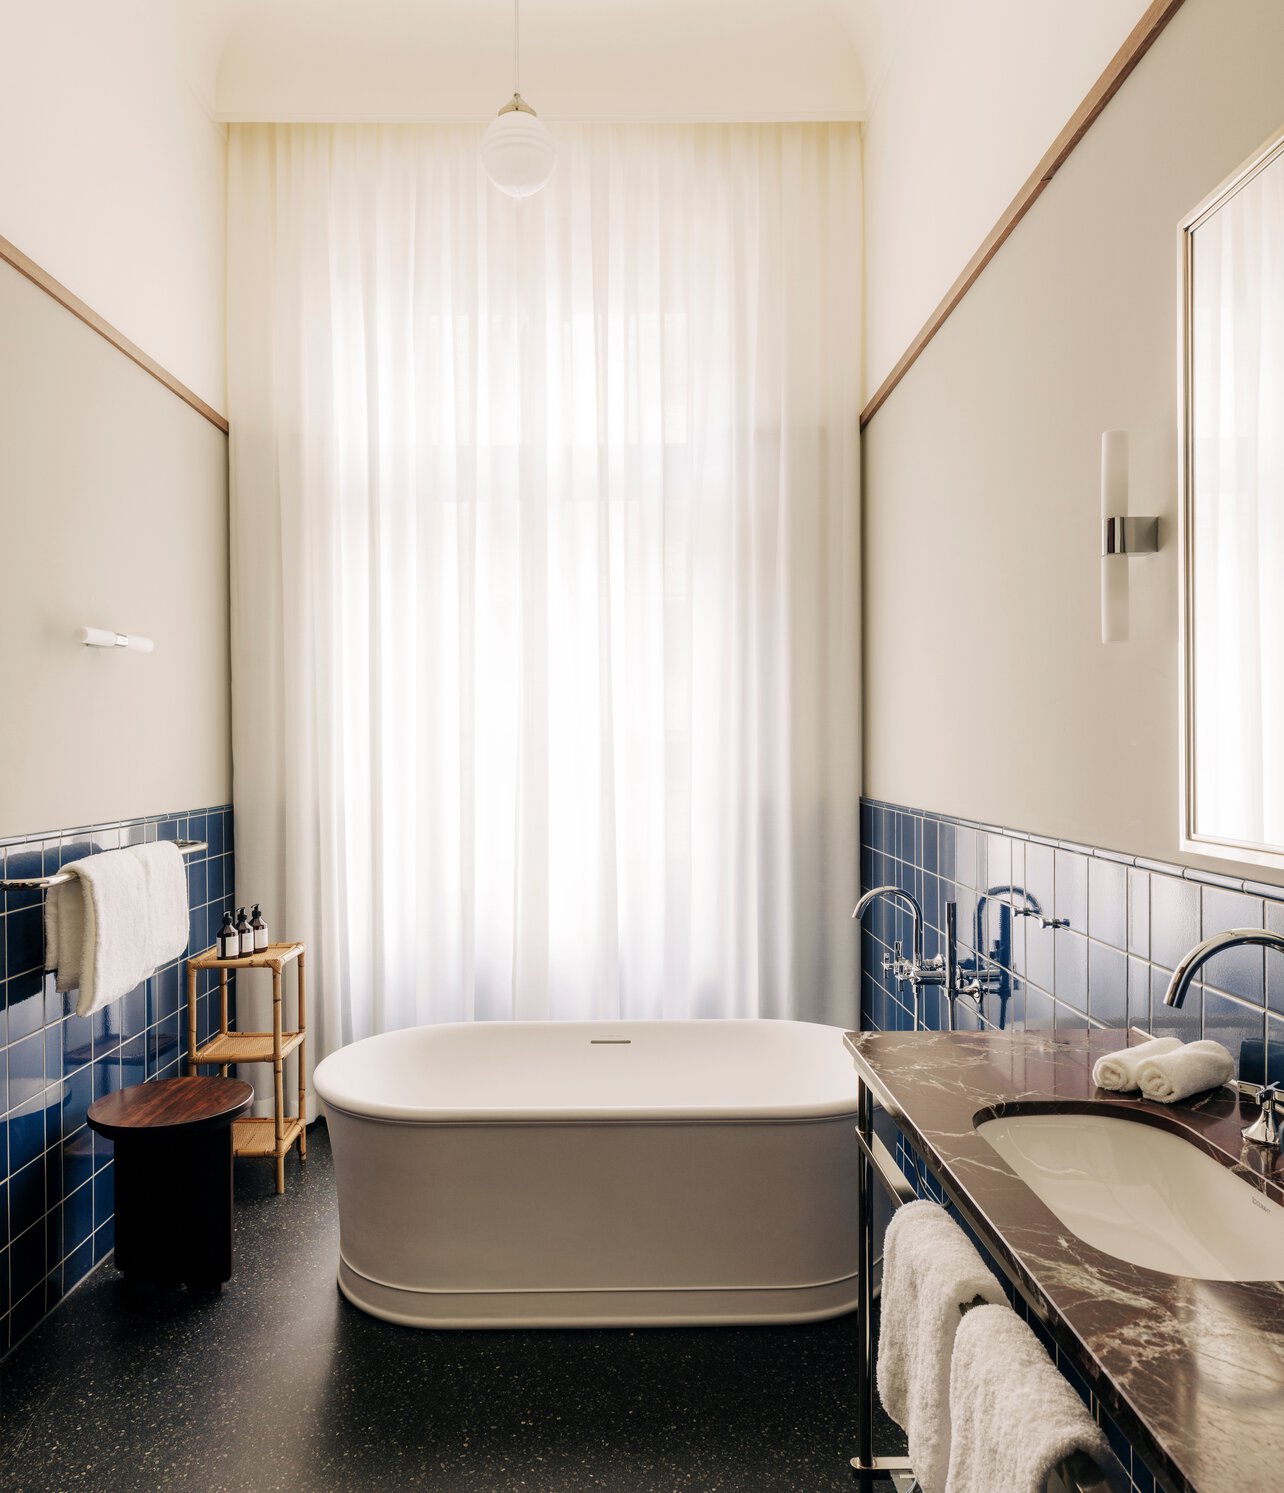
610,1041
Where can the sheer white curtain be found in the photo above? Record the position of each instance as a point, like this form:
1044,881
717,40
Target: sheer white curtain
1238,516
545,547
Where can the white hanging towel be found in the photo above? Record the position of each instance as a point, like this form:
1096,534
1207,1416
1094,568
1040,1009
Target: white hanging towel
122,915
165,888
930,1270
1013,1416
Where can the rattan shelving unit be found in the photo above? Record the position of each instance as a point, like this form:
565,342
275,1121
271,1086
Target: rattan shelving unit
266,1137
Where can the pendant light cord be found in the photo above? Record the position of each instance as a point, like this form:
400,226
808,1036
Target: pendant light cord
517,77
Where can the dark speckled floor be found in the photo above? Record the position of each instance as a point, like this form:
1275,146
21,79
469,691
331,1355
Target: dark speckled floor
279,1383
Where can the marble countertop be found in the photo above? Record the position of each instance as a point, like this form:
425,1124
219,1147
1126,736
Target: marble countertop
1196,1367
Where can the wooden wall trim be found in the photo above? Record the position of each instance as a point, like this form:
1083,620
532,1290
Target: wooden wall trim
1138,43
10,254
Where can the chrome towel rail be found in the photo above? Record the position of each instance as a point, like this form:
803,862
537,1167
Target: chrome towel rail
60,878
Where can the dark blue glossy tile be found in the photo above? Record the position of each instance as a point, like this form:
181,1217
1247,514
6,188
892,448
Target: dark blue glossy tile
1185,1021
1071,888
1108,902
25,1006
995,852
27,1260
1274,920
1139,912
24,942
1070,952
104,1240
1239,971
1174,919
27,1197
26,1313
1039,1010
1107,984
77,1159
1234,1026
78,1264
26,1134
967,856
1040,863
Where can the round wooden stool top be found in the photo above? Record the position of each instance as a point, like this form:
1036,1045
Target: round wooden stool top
166,1105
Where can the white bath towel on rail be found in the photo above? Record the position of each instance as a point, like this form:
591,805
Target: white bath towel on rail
1014,1417
930,1270
122,915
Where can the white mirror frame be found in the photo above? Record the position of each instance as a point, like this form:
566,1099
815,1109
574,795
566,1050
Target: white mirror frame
1246,852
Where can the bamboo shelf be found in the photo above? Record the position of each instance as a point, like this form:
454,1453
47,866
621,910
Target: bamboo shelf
247,1047
265,1137
255,1135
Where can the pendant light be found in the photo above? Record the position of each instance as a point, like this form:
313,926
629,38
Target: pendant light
517,151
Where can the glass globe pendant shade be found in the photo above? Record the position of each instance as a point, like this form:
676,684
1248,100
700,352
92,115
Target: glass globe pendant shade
517,151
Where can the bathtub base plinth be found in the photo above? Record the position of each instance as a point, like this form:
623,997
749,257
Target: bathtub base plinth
653,1308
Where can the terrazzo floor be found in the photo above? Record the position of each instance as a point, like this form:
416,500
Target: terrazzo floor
277,1383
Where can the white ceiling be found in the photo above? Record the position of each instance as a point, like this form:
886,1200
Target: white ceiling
581,59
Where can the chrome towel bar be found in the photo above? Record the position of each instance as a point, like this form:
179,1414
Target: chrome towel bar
59,878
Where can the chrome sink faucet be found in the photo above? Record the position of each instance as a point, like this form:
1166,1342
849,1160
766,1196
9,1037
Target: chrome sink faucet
1265,1130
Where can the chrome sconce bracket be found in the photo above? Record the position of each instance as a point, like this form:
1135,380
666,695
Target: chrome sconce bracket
1124,535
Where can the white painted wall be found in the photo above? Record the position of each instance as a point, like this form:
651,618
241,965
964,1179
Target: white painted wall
112,171
988,691
113,513
968,99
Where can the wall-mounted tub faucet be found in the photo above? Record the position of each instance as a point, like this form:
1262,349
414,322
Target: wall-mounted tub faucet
917,970
1264,1131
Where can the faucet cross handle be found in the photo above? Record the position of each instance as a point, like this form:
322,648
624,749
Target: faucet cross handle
1265,1130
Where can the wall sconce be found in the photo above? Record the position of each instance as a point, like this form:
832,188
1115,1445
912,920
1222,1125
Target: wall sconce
1121,536
100,637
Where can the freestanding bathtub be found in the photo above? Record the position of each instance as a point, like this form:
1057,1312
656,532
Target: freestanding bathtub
558,1174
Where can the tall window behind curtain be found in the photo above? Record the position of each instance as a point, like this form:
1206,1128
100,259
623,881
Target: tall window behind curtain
545,600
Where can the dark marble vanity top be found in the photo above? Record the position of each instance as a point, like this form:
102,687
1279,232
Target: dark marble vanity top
1195,1366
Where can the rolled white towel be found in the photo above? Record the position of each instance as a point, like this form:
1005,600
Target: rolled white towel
1013,1417
1118,1070
1192,1069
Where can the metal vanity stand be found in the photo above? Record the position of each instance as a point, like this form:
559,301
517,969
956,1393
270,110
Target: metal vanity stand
1079,1474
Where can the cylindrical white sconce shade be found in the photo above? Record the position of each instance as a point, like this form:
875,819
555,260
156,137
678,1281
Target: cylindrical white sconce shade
102,637
1114,568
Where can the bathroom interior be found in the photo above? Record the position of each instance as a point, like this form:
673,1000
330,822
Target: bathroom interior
672,603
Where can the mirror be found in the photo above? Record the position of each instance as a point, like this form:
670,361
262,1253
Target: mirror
1232,515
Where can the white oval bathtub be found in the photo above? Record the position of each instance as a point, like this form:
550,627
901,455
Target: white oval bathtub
555,1174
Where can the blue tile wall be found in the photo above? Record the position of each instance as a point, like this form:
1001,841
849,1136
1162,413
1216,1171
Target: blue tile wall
56,1213
1129,921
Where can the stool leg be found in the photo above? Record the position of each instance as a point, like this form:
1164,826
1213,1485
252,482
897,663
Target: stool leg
278,1078
303,1067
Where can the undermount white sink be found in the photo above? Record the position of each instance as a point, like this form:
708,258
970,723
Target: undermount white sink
1143,1195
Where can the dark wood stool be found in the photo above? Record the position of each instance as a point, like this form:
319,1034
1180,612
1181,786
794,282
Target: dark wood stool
173,1150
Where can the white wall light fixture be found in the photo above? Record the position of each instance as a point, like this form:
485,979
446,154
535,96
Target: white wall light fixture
1121,537
517,151
101,637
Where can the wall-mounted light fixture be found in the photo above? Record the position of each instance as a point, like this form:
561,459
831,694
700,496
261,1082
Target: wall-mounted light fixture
100,637
1122,536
